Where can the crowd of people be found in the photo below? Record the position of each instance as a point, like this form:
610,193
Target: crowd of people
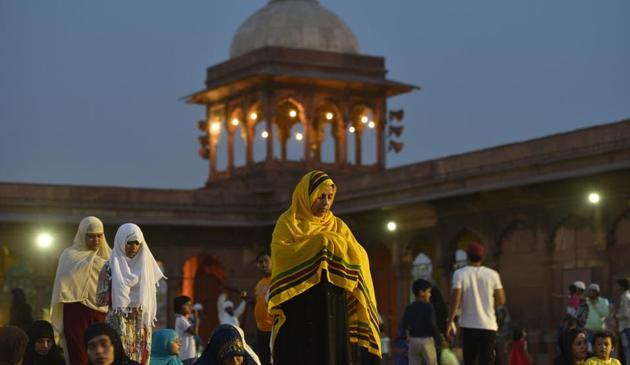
314,304
585,336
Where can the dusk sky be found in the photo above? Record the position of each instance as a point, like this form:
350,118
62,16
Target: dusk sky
90,90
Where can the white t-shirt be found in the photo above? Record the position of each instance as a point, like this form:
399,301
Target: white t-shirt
478,284
186,339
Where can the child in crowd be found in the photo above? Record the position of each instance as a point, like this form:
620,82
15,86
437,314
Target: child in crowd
604,345
185,330
519,354
447,356
165,348
419,326
573,301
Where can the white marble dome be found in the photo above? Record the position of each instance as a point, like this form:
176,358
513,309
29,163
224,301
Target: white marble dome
303,24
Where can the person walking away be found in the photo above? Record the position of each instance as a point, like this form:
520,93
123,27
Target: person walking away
261,310
73,305
186,331
419,326
128,283
479,290
623,318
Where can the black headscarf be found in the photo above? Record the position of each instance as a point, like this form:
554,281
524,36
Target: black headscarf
21,314
226,340
37,330
97,329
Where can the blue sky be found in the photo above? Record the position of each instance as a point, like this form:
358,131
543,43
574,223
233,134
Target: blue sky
89,91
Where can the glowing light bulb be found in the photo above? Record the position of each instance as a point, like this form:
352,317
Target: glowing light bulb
264,134
253,116
371,124
594,198
391,226
352,129
299,136
44,240
215,127
329,116
364,119
235,122
292,113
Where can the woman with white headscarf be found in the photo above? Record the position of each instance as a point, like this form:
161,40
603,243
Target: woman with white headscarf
73,306
128,284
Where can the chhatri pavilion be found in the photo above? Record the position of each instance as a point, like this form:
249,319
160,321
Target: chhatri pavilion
297,94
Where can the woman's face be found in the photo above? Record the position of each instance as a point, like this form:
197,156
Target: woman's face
132,248
322,203
175,346
100,350
579,348
43,345
93,240
233,360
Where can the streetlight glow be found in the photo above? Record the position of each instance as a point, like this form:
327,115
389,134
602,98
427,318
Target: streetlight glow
264,134
371,124
329,116
253,116
594,198
299,136
292,113
364,119
351,129
44,240
215,127
235,122
391,226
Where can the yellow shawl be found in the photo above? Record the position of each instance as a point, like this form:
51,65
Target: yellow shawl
303,245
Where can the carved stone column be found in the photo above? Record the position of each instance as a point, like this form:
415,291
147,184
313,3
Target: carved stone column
268,115
379,115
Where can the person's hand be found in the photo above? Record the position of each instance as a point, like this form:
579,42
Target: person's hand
450,329
243,294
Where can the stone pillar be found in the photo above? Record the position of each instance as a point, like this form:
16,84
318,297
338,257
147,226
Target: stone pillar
268,114
214,139
308,121
379,115
249,129
345,120
227,110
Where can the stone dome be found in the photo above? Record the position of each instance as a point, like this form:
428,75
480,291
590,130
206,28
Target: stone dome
303,24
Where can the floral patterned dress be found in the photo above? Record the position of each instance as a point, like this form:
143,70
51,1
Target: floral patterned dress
136,338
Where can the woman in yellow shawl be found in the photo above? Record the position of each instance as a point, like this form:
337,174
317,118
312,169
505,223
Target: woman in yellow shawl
321,293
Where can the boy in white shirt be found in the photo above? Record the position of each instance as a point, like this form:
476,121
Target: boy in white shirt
185,330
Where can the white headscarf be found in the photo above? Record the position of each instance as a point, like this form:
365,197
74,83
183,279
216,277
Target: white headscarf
135,280
77,272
